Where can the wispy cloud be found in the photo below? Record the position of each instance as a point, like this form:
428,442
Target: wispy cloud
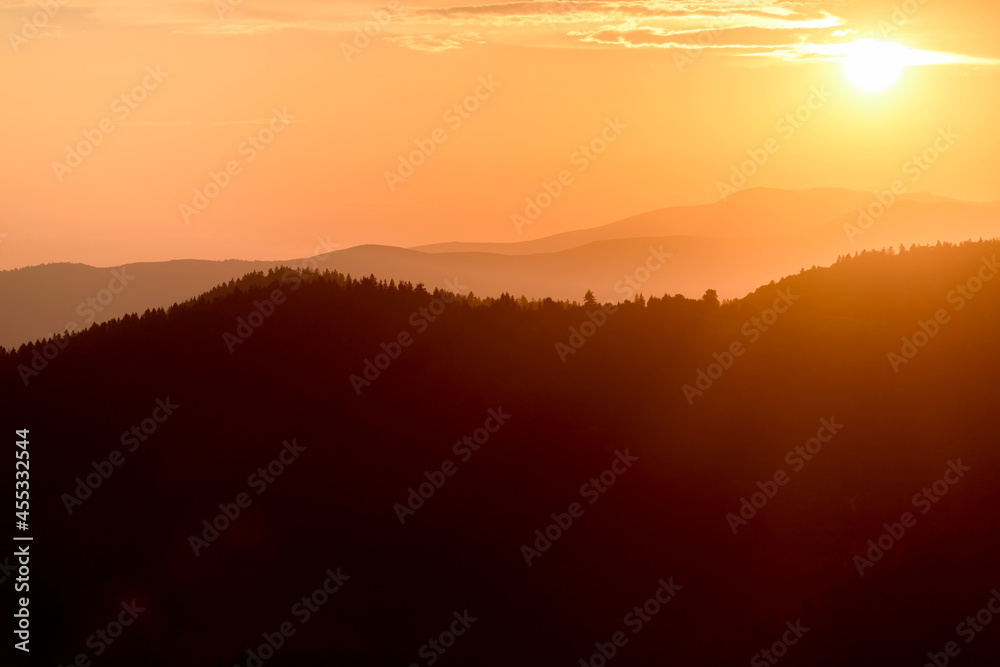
429,42
789,29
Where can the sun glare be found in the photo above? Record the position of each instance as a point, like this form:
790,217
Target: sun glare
874,65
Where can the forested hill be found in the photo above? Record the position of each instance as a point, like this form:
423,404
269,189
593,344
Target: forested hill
846,398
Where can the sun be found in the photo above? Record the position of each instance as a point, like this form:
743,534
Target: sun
874,65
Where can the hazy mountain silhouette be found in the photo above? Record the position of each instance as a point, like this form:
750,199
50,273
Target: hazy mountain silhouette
730,246
40,301
895,427
755,212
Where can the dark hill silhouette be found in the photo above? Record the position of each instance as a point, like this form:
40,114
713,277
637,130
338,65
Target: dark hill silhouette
730,246
664,518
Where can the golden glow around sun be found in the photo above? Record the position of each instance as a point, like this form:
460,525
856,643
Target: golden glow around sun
874,65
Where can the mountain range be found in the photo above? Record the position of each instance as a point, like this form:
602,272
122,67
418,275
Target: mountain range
692,477
732,246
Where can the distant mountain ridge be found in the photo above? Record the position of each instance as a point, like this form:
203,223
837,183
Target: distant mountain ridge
756,213
756,236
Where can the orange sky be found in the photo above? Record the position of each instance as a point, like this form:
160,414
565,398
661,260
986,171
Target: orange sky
684,88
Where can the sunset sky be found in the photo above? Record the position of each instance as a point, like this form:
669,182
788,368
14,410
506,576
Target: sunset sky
684,89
